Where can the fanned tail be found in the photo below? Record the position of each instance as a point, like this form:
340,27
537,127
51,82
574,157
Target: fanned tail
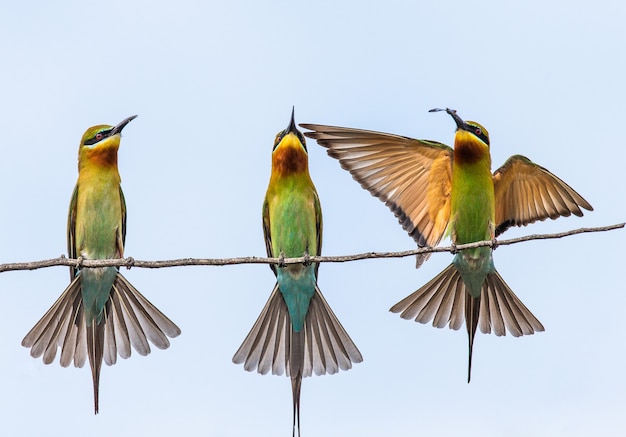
129,319
445,301
327,346
502,308
322,346
441,300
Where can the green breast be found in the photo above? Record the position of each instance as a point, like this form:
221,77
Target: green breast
293,219
472,208
98,219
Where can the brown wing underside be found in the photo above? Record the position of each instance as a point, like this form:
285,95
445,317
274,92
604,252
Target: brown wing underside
412,177
526,192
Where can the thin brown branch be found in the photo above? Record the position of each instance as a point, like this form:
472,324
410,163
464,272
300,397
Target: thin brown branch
130,262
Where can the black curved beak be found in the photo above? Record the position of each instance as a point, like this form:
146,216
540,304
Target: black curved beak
460,124
122,124
292,124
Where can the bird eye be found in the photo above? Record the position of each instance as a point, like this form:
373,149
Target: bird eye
478,131
98,136
279,137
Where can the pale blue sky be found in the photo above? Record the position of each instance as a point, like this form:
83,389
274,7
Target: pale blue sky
212,83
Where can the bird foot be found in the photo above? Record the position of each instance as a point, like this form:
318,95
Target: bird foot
130,262
281,260
494,244
79,262
307,259
453,249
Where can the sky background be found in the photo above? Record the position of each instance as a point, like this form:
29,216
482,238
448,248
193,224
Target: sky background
212,83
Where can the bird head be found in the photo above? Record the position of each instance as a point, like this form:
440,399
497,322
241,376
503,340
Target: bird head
100,143
290,135
471,127
290,153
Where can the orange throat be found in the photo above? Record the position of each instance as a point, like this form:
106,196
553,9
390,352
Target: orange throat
101,157
469,152
289,160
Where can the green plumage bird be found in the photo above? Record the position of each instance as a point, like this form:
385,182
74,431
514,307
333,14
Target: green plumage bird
433,190
100,314
297,333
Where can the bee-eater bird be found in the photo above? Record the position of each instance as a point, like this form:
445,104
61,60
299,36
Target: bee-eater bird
433,190
100,314
297,332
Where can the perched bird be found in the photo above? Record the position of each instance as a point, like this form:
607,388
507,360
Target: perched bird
100,314
434,190
297,332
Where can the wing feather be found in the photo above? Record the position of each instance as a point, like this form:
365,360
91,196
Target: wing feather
267,232
526,192
412,177
71,231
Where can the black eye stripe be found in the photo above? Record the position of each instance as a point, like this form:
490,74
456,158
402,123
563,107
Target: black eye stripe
483,137
476,130
99,136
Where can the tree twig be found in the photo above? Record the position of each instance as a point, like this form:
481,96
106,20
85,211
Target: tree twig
130,262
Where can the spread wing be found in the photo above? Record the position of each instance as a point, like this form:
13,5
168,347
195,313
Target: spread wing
526,192
411,176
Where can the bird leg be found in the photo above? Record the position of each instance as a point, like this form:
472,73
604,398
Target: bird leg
281,260
453,249
130,261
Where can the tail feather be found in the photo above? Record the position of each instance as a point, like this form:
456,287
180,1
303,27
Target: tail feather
122,337
137,336
265,348
423,304
80,348
156,324
71,341
449,298
506,310
330,348
296,385
322,346
446,301
327,346
95,347
44,337
472,315
296,358
129,320
109,345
